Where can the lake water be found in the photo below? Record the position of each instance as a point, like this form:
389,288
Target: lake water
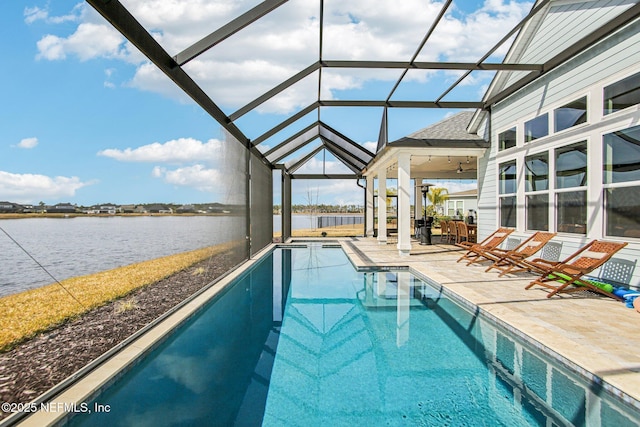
69,247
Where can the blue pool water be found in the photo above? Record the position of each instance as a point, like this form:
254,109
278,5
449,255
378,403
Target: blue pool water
305,340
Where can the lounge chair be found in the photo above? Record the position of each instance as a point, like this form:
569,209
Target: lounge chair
476,251
514,260
568,272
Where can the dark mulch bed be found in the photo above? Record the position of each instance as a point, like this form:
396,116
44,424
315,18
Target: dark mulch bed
38,364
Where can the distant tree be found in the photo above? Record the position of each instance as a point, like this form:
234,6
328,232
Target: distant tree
437,196
312,202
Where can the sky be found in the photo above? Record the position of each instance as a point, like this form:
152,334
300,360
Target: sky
87,119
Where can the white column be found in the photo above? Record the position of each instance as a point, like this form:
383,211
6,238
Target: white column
404,203
369,208
382,207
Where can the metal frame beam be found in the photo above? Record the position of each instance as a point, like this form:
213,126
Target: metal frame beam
346,158
402,104
515,29
491,66
296,164
359,150
227,30
326,176
432,28
282,125
121,19
273,92
297,135
114,12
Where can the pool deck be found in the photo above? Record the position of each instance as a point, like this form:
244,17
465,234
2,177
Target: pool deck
596,334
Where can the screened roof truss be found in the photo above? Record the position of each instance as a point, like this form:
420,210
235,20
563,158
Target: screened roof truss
347,151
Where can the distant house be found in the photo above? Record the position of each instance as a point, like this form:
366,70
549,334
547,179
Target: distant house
139,209
186,209
459,204
108,209
9,207
61,208
162,209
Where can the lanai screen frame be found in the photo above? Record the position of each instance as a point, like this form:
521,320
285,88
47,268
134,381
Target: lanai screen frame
172,66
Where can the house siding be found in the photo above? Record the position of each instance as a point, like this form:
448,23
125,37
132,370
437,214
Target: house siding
565,24
586,75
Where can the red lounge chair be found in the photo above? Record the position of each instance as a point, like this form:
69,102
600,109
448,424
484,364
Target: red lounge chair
514,260
568,272
476,251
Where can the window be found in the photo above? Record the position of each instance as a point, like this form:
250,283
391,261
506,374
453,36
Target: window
622,211
507,177
622,156
571,166
571,181
622,165
622,94
571,210
508,211
455,208
536,172
572,114
507,190
538,212
537,185
507,139
536,128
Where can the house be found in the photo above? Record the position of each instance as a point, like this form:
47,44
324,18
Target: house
127,208
462,203
186,209
9,207
160,209
61,208
565,148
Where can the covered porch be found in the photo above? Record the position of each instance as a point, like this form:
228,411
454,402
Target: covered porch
442,151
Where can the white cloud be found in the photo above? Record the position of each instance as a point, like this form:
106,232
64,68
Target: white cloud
284,42
33,14
89,41
191,155
26,188
175,151
28,143
339,192
371,146
196,176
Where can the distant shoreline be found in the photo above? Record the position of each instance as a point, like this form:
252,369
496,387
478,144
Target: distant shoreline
83,215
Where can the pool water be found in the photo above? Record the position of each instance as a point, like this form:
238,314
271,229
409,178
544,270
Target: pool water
304,339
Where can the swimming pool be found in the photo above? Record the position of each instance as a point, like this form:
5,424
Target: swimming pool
304,339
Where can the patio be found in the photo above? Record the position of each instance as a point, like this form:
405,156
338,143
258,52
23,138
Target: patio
582,328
